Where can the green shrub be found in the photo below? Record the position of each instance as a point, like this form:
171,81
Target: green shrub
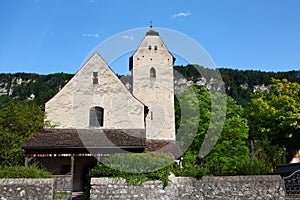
253,167
61,195
136,168
139,162
195,171
23,172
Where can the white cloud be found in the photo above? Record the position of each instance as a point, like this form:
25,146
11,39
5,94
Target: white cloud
90,35
182,14
127,37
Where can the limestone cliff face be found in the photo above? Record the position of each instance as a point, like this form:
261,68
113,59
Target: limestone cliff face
152,83
95,85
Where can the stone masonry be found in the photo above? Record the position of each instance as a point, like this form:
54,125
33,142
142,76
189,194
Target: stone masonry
30,189
227,187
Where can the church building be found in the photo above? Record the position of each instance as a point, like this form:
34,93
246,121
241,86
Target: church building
94,115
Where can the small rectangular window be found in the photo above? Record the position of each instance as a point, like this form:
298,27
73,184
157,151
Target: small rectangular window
95,77
149,47
155,47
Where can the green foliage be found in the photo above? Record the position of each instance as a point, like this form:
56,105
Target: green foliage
136,168
230,146
271,154
234,79
18,122
43,87
275,115
138,163
253,167
4,99
195,171
61,195
23,172
195,107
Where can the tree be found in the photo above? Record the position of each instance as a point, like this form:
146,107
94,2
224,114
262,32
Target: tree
274,115
231,147
18,122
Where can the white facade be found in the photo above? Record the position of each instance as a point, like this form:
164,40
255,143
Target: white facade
152,84
70,107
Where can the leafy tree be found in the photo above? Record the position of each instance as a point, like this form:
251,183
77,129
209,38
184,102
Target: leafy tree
275,115
194,106
18,122
231,147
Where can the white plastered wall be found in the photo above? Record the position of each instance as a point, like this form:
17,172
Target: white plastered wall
157,93
70,107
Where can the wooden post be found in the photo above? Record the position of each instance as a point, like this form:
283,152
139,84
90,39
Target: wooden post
72,175
26,161
98,159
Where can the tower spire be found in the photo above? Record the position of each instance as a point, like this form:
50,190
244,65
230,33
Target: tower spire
151,25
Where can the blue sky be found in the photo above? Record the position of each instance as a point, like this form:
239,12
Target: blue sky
48,36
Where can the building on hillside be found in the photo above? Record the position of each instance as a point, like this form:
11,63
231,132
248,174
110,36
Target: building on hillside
96,116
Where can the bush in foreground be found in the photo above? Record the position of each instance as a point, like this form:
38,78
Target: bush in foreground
23,172
136,168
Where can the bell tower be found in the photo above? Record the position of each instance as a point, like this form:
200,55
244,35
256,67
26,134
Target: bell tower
152,83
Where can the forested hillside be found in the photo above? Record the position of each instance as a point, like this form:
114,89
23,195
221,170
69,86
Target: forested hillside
239,84
31,87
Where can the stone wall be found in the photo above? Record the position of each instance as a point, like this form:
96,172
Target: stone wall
17,189
227,187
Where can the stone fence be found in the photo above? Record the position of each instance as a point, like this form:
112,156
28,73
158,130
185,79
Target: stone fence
27,188
227,187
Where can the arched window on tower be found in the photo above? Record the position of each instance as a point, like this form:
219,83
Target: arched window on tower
152,73
96,116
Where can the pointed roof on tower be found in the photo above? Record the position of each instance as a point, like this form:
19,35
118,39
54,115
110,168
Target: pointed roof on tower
151,31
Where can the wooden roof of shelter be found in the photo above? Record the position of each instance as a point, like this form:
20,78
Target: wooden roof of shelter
88,142
85,141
